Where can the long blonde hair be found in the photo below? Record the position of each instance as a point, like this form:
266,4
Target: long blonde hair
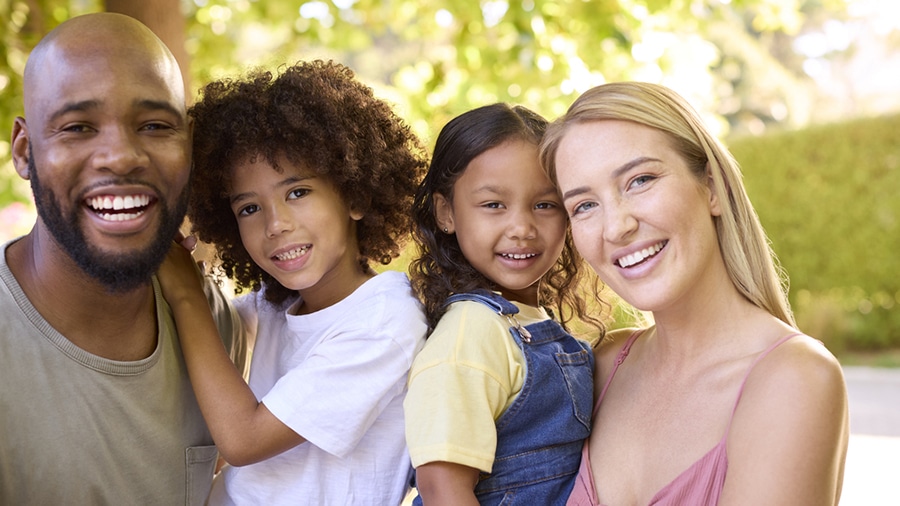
749,259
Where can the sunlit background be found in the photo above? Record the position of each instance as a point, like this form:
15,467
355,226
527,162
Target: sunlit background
748,66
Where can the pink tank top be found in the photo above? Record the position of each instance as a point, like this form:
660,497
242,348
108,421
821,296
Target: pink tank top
700,484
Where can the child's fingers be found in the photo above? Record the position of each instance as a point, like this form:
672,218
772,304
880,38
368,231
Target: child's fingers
188,243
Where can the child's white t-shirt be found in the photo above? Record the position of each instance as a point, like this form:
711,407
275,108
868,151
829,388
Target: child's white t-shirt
337,377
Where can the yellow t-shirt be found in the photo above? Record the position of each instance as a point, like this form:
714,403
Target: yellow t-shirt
468,374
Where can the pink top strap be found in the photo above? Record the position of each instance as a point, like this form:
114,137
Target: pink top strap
747,375
619,359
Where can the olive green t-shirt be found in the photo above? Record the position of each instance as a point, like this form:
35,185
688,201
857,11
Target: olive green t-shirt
76,428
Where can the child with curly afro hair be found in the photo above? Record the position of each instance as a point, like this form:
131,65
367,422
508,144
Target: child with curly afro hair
301,178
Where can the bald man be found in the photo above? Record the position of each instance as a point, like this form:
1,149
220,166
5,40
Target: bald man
95,404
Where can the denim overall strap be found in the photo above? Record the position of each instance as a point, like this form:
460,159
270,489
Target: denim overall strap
498,304
540,435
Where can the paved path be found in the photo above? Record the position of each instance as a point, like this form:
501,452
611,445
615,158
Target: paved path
872,473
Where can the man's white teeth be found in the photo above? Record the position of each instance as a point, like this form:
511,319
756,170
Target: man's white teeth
117,202
120,216
518,256
640,256
292,254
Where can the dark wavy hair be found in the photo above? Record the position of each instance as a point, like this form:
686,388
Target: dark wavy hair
441,269
315,114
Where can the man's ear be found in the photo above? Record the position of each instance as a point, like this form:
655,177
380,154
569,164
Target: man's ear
714,208
19,144
443,213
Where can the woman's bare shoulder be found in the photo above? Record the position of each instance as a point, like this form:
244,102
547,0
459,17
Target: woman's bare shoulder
791,420
799,384
802,359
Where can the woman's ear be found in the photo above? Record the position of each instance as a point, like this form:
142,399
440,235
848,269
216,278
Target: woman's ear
443,213
714,208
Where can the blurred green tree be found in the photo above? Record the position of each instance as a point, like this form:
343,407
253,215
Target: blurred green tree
435,59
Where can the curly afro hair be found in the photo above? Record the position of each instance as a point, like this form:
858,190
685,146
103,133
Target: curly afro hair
315,114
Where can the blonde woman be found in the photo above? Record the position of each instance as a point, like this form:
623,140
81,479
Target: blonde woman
722,400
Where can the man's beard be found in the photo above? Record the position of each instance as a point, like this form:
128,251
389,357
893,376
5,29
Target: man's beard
118,272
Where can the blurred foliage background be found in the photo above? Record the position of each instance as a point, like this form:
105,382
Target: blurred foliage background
802,90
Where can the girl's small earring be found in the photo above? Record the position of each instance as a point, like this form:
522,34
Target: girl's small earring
446,231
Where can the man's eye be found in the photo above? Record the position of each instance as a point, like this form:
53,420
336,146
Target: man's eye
76,128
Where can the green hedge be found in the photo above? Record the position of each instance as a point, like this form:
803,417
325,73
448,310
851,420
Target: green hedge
829,198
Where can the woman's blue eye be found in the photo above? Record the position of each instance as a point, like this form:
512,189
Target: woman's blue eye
585,206
641,180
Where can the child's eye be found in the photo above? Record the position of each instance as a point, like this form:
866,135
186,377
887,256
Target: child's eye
493,205
248,210
156,126
298,193
546,205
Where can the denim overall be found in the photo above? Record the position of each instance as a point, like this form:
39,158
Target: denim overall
539,437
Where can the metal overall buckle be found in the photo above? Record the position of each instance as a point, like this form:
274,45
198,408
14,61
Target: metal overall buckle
526,336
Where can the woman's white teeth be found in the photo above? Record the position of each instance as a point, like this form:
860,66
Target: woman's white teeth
518,256
640,256
117,202
292,254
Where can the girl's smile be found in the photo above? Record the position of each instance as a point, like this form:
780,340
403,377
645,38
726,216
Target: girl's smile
507,217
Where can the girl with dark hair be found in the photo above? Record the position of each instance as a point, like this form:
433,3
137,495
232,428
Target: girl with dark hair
499,399
300,180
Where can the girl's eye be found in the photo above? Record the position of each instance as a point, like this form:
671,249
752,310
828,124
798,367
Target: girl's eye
493,205
248,210
582,207
546,205
298,193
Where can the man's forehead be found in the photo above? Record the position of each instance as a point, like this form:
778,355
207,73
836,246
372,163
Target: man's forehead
96,78
101,47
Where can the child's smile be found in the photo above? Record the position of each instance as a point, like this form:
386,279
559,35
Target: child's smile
297,228
507,218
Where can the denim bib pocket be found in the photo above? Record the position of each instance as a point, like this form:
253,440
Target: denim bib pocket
579,376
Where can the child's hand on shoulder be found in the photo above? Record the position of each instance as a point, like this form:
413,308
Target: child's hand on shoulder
179,276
